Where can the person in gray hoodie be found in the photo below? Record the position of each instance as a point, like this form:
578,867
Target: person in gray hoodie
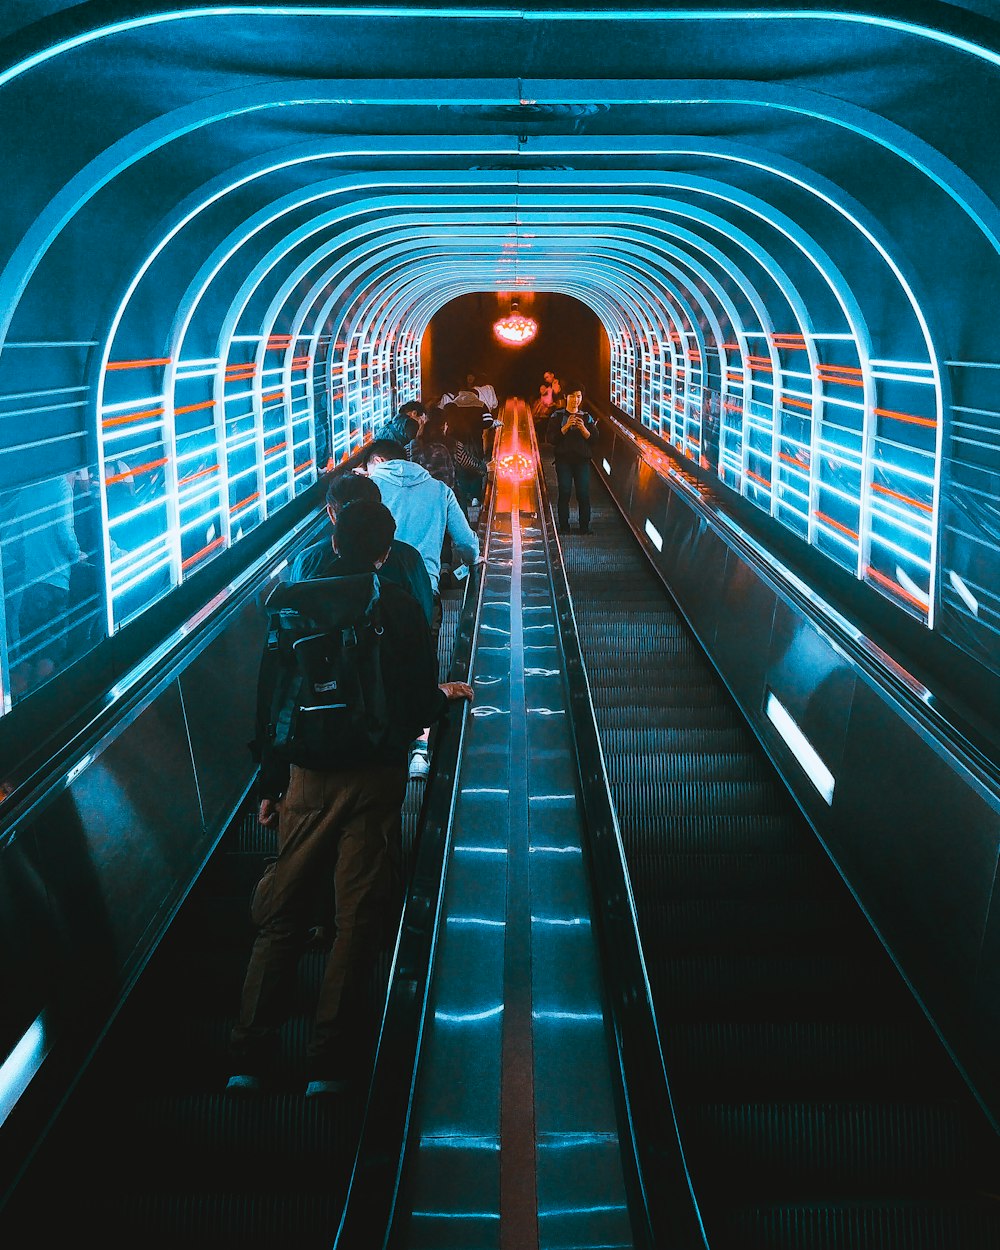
425,511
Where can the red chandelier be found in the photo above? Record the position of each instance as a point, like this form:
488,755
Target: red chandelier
515,329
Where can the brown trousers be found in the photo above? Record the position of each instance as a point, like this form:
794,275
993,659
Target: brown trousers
340,832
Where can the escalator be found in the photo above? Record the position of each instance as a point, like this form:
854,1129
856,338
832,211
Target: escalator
150,1150
815,1103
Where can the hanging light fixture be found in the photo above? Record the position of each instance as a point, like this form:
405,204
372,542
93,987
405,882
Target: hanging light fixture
515,329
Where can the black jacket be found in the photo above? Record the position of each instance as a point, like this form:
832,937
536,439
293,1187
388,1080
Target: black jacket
571,446
410,675
404,568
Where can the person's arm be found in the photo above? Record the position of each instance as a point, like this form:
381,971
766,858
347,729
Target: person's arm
466,458
463,536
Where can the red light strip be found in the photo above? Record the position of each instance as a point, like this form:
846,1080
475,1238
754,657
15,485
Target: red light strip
112,365
201,473
884,490
142,468
896,588
836,525
200,555
907,417
110,422
243,502
205,403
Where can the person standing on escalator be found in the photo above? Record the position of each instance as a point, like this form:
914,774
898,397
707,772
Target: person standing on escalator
572,433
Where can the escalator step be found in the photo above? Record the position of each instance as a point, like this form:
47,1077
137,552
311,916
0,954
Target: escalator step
886,1225
679,766
645,708
834,1059
824,1146
777,987
705,832
684,798
703,926
660,875
228,1221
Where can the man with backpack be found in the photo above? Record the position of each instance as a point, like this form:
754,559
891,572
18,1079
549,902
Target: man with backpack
404,565
427,512
348,678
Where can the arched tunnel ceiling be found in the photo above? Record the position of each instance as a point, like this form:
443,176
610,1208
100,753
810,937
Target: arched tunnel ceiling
797,160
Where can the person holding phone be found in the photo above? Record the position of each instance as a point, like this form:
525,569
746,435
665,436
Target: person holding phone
572,433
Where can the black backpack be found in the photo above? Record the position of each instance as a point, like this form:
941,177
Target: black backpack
320,693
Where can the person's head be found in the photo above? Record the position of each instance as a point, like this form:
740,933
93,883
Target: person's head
380,450
345,488
470,381
573,393
413,408
549,377
434,425
364,533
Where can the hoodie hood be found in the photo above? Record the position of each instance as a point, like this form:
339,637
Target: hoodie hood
402,473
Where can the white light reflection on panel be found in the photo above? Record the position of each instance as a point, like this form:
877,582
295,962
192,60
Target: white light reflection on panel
801,747
21,1065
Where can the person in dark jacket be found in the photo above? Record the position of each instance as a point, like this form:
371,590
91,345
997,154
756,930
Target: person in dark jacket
404,425
404,565
572,433
339,833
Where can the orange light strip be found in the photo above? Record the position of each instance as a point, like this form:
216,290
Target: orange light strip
243,502
896,588
797,403
799,464
852,369
273,395
193,477
278,341
205,403
112,365
304,465
757,478
200,555
789,341
142,468
760,362
884,490
110,422
836,525
269,451
907,417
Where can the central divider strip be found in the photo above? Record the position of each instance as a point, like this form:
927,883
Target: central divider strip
518,1186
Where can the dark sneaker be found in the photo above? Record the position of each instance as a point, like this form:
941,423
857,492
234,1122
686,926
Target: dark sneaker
244,1083
327,1087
